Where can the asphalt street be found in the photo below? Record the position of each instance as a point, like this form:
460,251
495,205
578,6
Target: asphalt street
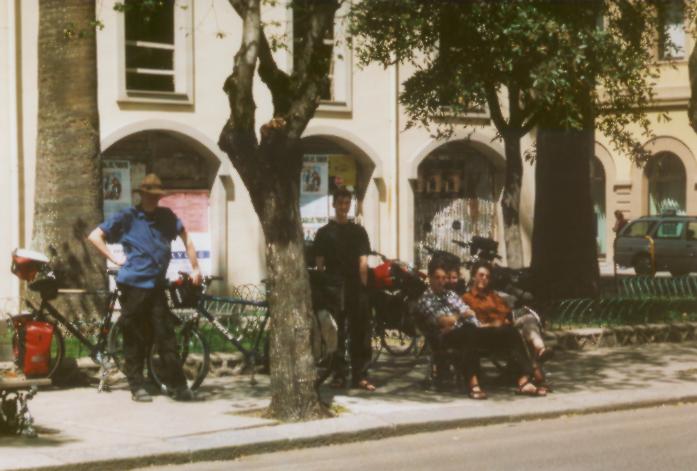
646,439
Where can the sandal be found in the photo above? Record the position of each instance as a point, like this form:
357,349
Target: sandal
477,393
365,385
523,390
545,386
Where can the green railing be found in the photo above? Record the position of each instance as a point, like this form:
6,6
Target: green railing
640,300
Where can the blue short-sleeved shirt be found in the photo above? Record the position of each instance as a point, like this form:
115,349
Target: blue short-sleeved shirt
146,240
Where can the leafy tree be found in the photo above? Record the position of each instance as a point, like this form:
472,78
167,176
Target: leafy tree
269,164
692,65
68,198
569,66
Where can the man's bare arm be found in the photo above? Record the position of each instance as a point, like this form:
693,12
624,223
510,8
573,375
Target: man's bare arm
193,259
363,269
98,238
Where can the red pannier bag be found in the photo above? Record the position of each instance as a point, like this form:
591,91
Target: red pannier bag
32,348
382,276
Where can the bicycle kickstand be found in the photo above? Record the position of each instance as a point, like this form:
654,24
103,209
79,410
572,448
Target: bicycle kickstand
253,366
103,374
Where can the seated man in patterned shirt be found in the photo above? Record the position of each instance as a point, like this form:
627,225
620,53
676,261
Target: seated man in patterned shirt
448,323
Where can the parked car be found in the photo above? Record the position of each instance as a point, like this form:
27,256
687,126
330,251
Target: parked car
675,244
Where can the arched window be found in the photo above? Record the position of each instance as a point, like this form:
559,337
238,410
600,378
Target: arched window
667,183
456,197
598,198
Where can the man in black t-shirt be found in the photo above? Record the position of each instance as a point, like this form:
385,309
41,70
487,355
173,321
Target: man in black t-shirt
342,248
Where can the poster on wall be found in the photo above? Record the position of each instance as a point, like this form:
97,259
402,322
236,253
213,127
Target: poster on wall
314,188
191,206
116,186
342,172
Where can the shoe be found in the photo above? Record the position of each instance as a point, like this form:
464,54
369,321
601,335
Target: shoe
183,394
365,385
477,393
529,389
141,395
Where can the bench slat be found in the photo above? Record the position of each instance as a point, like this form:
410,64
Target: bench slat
18,384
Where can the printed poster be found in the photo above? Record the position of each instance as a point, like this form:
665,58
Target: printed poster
191,206
342,172
314,190
116,186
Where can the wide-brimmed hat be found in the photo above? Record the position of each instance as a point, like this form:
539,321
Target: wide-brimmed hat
151,185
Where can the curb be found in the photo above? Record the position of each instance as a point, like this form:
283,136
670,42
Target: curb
373,433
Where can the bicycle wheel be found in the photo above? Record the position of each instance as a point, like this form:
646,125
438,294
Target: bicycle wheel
397,342
324,366
56,352
194,355
375,345
115,344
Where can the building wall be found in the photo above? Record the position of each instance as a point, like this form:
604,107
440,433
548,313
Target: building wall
370,127
10,152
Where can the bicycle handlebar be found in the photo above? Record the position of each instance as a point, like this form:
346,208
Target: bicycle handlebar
462,244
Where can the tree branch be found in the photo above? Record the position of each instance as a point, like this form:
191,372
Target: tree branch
515,119
311,67
492,99
275,79
238,137
531,122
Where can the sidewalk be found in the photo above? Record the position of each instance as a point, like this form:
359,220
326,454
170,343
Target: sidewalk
81,429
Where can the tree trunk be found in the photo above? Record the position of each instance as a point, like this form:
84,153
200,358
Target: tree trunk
68,200
510,201
270,170
564,254
272,178
294,396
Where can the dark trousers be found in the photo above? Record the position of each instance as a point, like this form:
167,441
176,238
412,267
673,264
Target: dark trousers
354,320
471,341
147,320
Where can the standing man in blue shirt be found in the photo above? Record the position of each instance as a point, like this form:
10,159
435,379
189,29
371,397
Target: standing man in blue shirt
146,232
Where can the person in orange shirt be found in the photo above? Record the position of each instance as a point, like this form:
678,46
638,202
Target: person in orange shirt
492,311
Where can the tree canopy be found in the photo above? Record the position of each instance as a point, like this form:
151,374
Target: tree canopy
542,52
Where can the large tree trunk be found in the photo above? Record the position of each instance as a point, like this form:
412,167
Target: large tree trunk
270,170
564,254
68,200
293,373
273,182
510,201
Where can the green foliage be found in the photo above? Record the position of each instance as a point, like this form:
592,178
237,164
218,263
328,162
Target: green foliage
545,54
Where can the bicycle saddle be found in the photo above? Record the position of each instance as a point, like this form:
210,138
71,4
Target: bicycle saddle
46,286
26,264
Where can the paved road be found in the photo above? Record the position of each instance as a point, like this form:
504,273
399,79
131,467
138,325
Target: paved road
660,438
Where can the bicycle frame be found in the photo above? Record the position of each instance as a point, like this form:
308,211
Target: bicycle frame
97,352
250,354
47,309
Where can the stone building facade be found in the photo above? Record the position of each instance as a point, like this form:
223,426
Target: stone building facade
162,107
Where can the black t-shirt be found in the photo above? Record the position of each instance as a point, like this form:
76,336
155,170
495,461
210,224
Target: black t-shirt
341,245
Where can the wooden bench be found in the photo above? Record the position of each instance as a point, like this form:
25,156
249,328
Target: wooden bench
15,417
